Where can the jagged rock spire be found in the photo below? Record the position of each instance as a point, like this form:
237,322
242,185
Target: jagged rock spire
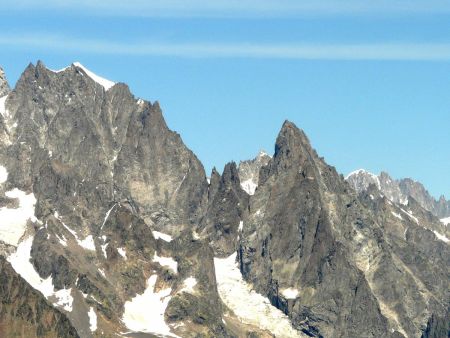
4,86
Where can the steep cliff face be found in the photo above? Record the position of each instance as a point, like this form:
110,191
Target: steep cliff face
93,186
249,171
323,257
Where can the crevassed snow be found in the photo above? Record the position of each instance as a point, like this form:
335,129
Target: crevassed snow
92,319
145,313
122,252
167,262
290,293
164,237
445,221
13,222
20,261
189,284
441,237
249,186
107,84
3,174
397,215
249,306
87,243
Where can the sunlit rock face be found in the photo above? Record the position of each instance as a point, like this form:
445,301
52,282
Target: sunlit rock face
108,227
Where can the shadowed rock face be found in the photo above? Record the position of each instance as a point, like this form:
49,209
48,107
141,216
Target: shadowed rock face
24,312
121,202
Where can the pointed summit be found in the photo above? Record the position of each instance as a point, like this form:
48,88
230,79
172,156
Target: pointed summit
290,140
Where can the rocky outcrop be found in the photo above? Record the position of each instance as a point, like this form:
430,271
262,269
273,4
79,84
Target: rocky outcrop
4,86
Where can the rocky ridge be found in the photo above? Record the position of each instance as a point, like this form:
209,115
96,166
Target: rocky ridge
105,214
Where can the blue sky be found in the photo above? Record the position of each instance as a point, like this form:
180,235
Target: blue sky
369,82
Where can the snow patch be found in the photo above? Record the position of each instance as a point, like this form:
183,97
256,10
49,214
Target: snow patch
251,307
104,246
3,174
2,105
13,222
290,293
122,252
92,319
249,186
145,313
167,262
164,237
397,215
20,261
189,284
409,213
441,237
87,243
241,226
107,215
102,81
445,221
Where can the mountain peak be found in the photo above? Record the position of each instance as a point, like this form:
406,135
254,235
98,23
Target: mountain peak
107,84
291,140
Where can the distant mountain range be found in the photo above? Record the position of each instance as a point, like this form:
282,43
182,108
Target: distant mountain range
109,227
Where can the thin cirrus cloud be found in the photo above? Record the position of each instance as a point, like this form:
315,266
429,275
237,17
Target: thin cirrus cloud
306,51
232,8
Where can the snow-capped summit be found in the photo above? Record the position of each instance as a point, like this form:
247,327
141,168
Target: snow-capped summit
105,83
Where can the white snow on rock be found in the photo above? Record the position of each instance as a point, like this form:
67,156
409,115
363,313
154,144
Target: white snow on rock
122,252
145,313
20,261
104,82
290,293
167,262
249,186
65,299
445,221
397,215
62,240
189,284
241,226
3,174
363,171
164,237
441,237
2,105
13,222
251,307
92,319
87,243
104,246
107,215
409,213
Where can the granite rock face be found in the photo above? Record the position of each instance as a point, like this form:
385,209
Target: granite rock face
111,228
332,262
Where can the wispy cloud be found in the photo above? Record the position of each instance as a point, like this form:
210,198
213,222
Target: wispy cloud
232,8
306,51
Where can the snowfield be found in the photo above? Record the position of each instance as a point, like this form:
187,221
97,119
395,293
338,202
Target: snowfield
249,306
145,313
